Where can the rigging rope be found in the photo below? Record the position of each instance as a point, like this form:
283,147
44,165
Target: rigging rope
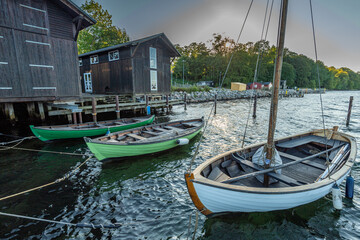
258,64
212,109
318,76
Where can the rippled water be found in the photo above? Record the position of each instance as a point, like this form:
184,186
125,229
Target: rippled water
148,194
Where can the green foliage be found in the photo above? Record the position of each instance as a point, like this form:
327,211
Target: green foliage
103,33
201,63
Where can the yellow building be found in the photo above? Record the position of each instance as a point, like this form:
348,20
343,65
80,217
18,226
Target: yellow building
238,86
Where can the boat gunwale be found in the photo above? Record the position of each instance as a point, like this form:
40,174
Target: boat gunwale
345,169
58,127
185,133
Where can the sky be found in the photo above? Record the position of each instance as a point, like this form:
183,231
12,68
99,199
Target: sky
337,24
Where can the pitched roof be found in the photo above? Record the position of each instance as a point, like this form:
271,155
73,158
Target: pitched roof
136,42
75,11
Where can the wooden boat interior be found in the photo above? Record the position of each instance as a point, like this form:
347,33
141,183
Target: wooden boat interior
230,168
92,125
153,132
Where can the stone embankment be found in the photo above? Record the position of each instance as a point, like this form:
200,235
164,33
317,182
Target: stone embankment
223,94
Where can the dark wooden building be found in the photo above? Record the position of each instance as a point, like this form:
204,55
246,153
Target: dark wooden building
38,51
137,67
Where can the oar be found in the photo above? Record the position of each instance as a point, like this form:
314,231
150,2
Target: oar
280,166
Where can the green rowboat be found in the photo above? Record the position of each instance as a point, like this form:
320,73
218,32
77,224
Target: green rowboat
45,133
144,140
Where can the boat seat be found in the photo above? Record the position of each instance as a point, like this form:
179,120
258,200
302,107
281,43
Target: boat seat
135,136
152,133
280,177
119,123
305,140
217,175
161,129
172,128
306,162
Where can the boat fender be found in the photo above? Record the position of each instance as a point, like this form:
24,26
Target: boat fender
148,110
336,196
182,141
349,191
107,132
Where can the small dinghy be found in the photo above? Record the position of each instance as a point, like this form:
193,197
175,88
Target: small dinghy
45,133
145,140
233,181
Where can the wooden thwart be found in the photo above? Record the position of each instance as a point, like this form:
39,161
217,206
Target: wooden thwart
280,166
136,136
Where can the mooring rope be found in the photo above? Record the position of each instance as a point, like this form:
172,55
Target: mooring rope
212,108
43,151
48,184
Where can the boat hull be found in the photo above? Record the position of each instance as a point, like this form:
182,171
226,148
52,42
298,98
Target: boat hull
103,151
213,198
52,134
218,200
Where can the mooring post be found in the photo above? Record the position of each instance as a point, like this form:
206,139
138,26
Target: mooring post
117,107
9,111
94,109
30,106
349,111
167,104
80,117
185,102
41,111
215,102
255,102
74,117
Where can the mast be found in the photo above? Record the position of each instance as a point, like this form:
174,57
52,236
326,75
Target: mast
275,94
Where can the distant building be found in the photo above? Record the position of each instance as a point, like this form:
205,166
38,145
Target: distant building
206,83
238,86
255,85
38,52
137,67
267,85
283,84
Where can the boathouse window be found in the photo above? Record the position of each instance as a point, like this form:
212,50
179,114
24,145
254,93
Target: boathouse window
152,57
114,55
80,62
94,59
153,80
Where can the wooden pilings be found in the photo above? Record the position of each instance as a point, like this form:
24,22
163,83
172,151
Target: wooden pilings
349,111
41,111
74,117
94,109
9,111
255,102
215,102
185,101
80,117
167,104
117,107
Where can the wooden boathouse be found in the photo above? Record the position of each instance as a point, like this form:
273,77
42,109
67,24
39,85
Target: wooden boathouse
39,60
139,67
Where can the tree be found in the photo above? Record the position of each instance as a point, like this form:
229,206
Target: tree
103,33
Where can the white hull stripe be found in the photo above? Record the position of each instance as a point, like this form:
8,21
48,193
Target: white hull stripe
44,88
3,62
40,43
28,25
5,88
32,8
43,66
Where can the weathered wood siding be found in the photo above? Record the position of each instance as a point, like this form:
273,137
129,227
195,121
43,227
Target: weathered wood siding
37,45
142,69
109,76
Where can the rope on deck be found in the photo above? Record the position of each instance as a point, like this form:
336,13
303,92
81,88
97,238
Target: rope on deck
48,184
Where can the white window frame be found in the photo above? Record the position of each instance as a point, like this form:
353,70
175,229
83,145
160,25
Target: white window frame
80,62
153,80
92,61
112,54
153,58
88,82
